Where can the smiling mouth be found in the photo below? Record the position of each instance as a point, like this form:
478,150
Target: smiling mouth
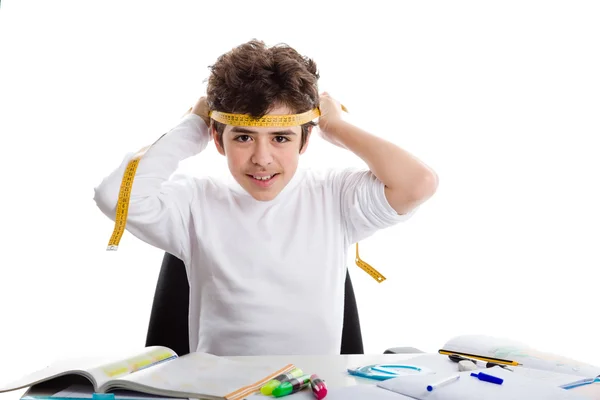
262,177
263,180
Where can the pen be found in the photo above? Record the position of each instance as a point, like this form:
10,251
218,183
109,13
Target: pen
458,358
318,387
442,382
487,378
483,358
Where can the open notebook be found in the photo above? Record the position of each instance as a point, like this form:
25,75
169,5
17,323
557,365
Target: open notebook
527,356
159,371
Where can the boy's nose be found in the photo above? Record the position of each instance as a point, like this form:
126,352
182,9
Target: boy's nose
262,154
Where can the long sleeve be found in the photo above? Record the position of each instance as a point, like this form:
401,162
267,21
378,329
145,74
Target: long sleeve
364,207
159,208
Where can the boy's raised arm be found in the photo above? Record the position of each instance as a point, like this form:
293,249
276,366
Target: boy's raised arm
407,181
159,211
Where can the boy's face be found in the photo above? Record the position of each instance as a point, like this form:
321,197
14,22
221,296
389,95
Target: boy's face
262,160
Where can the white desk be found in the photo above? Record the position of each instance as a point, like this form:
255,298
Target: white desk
333,369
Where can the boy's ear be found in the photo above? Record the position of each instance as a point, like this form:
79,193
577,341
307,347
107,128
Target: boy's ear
308,131
215,137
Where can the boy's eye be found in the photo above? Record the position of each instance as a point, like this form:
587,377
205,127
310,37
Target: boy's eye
247,138
242,138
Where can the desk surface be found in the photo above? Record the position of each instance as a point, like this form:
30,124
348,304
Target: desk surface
333,369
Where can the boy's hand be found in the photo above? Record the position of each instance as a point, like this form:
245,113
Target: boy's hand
201,109
331,115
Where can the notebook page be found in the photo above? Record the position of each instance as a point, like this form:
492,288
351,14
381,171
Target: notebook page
200,374
512,350
135,361
550,377
78,365
443,365
514,387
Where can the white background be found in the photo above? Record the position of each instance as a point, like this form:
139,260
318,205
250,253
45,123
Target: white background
501,99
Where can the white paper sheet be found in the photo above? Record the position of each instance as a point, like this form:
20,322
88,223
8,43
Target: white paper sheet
514,387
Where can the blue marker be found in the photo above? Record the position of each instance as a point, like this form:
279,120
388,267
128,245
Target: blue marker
487,378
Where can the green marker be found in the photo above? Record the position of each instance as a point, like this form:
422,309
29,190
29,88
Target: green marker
268,387
292,386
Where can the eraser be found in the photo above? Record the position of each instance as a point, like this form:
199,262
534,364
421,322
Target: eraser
466,365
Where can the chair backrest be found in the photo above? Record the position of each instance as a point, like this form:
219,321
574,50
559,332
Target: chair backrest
168,324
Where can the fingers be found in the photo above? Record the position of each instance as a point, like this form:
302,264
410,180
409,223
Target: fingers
328,96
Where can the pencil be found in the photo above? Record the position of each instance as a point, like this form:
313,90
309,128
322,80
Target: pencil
482,358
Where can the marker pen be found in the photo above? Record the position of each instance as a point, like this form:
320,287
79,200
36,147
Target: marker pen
443,382
292,386
268,387
318,387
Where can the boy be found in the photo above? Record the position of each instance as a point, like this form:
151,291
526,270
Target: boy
266,256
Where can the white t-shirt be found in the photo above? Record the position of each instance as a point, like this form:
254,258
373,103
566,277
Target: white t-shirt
265,278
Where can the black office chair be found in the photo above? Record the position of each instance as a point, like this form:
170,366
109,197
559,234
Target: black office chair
169,316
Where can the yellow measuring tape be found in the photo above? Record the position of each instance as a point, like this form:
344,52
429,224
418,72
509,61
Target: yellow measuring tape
280,121
368,268
229,119
123,200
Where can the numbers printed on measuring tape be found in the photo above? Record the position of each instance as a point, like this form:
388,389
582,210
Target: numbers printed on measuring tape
367,268
123,200
281,121
370,270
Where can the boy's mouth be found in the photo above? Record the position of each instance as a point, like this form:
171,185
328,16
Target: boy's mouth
263,180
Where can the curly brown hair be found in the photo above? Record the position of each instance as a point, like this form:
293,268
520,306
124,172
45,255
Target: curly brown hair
252,78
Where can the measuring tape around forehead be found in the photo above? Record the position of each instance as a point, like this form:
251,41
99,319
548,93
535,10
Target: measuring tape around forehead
280,121
122,208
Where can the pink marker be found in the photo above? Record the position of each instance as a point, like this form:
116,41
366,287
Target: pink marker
318,387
